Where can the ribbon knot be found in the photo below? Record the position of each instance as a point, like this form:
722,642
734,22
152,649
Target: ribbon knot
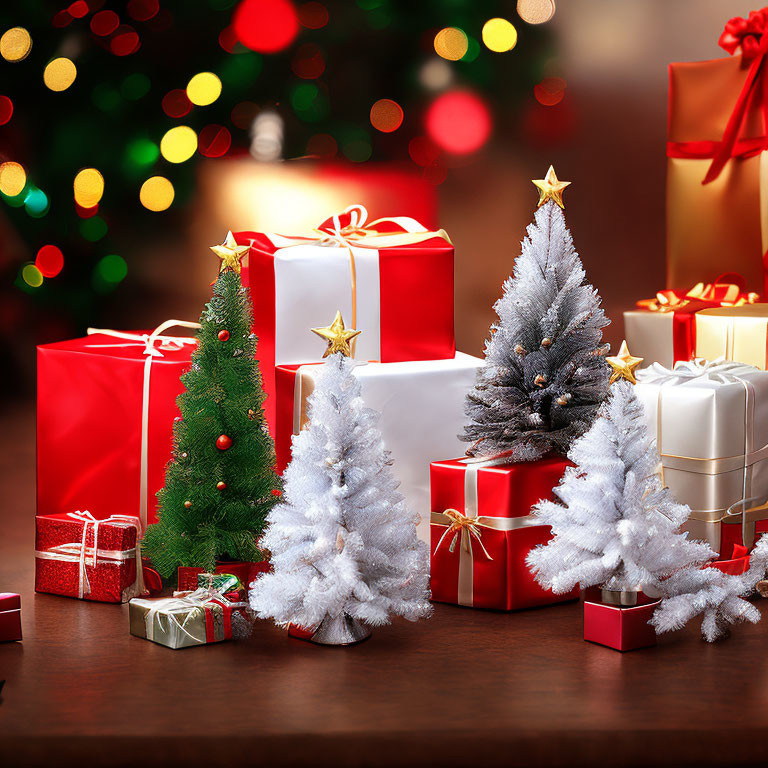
747,34
463,529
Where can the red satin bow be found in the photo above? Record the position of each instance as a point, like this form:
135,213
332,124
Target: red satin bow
749,36
745,33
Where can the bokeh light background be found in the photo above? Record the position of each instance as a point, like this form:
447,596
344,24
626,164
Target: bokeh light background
134,134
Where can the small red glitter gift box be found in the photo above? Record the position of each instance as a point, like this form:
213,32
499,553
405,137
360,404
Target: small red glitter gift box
77,555
10,617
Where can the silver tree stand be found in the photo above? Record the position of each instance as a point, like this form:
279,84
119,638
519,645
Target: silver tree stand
340,630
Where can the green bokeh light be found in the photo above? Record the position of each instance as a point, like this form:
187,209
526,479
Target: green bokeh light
106,98
36,202
93,229
309,102
241,69
112,268
17,200
135,86
473,49
142,152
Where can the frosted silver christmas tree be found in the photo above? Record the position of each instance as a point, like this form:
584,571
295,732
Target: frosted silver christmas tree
343,543
544,375
616,526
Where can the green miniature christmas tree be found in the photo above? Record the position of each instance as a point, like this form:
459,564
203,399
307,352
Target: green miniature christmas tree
220,483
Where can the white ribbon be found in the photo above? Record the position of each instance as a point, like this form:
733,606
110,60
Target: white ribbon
720,370
149,340
74,552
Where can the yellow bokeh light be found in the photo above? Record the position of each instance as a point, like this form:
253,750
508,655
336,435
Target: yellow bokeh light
178,144
204,88
89,187
499,35
13,179
451,43
15,44
536,11
156,193
60,74
32,276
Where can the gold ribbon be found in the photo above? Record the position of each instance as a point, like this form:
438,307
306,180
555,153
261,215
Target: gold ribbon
669,300
357,234
468,525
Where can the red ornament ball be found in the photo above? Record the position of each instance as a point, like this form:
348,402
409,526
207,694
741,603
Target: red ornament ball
223,442
187,504
223,335
221,485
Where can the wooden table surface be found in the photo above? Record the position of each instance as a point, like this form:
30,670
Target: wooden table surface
466,687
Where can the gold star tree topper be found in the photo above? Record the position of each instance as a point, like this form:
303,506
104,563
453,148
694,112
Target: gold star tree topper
337,336
230,253
624,365
550,188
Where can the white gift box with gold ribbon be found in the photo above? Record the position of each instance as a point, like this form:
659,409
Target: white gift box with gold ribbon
734,333
422,412
710,420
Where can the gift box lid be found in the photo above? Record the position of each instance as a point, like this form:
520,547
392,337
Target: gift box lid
10,601
124,349
705,410
750,311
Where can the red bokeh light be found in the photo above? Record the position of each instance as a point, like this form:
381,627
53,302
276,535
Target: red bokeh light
214,141
6,109
322,145
142,10
78,9
550,91
50,260
459,122
435,174
308,63
228,39
61,19
86,213
176,104
266,26
386,115
125,42
313,15
423,151
243,114
104,23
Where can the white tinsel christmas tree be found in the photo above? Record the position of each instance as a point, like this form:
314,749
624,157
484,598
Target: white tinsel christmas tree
616,526
343,543
544,375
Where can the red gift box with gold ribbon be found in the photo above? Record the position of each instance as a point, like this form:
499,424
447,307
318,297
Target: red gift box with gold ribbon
663,329
482,531
717,169
387,277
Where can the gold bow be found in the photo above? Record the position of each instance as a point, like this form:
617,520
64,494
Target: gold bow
463,529
669,300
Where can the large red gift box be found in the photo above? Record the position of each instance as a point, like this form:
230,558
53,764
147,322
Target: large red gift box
105,410
482,531
10,617
621,627
246,572
386,277
78,555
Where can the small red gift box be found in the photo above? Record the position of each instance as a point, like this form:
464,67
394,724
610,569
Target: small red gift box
105,410
246,572
77,555
386,277
482,531
10,617
617,626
